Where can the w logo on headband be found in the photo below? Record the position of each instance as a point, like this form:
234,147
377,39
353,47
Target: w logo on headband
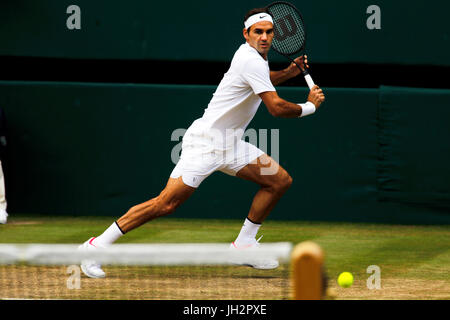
285,31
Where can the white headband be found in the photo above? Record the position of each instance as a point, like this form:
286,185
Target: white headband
257,18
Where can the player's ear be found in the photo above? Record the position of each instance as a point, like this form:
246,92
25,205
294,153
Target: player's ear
245,33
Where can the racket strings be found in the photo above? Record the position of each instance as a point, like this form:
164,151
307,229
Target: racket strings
289,29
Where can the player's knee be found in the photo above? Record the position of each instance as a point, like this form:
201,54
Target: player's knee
286,182
283,183
167,208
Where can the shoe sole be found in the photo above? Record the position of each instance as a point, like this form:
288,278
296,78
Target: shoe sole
262,268
255,266
90,275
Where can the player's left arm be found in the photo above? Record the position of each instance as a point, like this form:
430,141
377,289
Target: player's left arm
279,107
278,77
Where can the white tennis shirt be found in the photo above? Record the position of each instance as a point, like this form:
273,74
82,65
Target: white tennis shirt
235,101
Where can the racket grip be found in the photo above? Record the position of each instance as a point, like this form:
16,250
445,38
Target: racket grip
309,80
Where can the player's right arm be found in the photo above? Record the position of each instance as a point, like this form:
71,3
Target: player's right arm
278,107
278,77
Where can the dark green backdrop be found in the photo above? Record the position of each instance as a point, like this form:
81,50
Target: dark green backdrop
412,32
376,155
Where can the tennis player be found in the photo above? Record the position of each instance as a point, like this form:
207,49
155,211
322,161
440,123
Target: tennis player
213,143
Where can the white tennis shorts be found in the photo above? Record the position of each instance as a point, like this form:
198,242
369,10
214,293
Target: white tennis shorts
199,159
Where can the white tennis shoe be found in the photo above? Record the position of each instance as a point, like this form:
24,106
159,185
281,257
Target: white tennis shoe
257,263
3,216
89,267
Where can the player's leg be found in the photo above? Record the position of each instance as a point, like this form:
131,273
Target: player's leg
273,180
170,198
252,164
173,195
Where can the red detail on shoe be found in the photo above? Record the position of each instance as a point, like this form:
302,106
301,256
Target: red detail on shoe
90,242
246,246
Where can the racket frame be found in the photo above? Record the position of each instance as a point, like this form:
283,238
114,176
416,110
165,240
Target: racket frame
305,72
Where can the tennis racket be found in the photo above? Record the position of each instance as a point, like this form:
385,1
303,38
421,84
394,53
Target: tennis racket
289,33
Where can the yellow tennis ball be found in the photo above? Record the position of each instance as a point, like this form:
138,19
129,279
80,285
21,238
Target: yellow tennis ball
345,279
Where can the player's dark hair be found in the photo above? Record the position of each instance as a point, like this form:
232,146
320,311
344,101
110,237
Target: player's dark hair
255,11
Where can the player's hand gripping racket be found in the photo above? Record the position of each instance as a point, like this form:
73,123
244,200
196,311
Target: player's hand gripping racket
289,33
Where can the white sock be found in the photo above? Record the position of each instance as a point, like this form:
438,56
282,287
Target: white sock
109,236
248,233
